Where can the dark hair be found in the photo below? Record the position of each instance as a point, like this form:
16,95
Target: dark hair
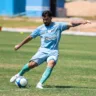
47,12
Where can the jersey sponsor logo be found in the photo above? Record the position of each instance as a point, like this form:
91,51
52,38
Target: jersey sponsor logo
51,38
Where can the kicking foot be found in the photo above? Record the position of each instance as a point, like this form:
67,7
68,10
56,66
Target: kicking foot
13,78
39,86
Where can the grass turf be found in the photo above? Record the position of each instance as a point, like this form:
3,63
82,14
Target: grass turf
74,74
23,22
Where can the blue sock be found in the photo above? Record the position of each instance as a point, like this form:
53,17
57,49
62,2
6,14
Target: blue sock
46,75
24,69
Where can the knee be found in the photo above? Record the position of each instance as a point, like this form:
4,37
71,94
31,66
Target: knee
51,63
32,64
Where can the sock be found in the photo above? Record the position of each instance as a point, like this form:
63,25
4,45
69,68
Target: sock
24,69
46,75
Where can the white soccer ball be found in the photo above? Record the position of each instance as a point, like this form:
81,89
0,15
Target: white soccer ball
21,82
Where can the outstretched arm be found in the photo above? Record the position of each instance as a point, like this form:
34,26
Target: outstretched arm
23,42
75,23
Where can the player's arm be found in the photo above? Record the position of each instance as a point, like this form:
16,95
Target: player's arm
27,39
75,23
34,34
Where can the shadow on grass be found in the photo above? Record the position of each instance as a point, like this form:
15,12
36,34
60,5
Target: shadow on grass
61,87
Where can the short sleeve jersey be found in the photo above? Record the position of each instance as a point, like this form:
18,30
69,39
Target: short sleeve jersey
50,35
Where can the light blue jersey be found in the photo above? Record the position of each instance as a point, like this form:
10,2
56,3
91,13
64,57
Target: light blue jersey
50,35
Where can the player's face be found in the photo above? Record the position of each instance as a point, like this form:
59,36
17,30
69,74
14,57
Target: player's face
47,20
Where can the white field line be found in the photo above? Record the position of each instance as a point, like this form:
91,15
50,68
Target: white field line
79,33
65,32
17,29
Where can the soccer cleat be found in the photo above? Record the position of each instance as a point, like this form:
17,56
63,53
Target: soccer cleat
39,86
13,78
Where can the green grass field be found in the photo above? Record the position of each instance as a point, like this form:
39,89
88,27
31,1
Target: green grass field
23,22
74,74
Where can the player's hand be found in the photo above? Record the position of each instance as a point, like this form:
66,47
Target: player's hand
87,22
76,22
16,47
79,21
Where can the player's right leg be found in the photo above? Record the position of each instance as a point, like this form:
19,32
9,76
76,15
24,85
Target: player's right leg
25,69
36,60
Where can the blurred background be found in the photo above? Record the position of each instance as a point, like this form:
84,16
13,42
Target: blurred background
59,8
62,10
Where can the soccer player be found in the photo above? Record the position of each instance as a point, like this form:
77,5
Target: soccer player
50,34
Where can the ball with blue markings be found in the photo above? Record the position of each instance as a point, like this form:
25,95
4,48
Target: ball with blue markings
21,82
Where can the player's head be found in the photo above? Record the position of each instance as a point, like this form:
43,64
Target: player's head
47,17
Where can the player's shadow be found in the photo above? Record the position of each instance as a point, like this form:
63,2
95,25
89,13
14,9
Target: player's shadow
62,87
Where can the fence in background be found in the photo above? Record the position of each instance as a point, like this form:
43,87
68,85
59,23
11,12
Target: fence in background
12,7
31,8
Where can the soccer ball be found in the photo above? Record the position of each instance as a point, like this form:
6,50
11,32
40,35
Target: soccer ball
21,82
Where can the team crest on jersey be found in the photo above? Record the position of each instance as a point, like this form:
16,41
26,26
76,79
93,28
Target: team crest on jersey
42,29
49,31
53,30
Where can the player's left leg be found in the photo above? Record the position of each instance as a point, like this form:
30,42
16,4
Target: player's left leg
51,63
46,74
